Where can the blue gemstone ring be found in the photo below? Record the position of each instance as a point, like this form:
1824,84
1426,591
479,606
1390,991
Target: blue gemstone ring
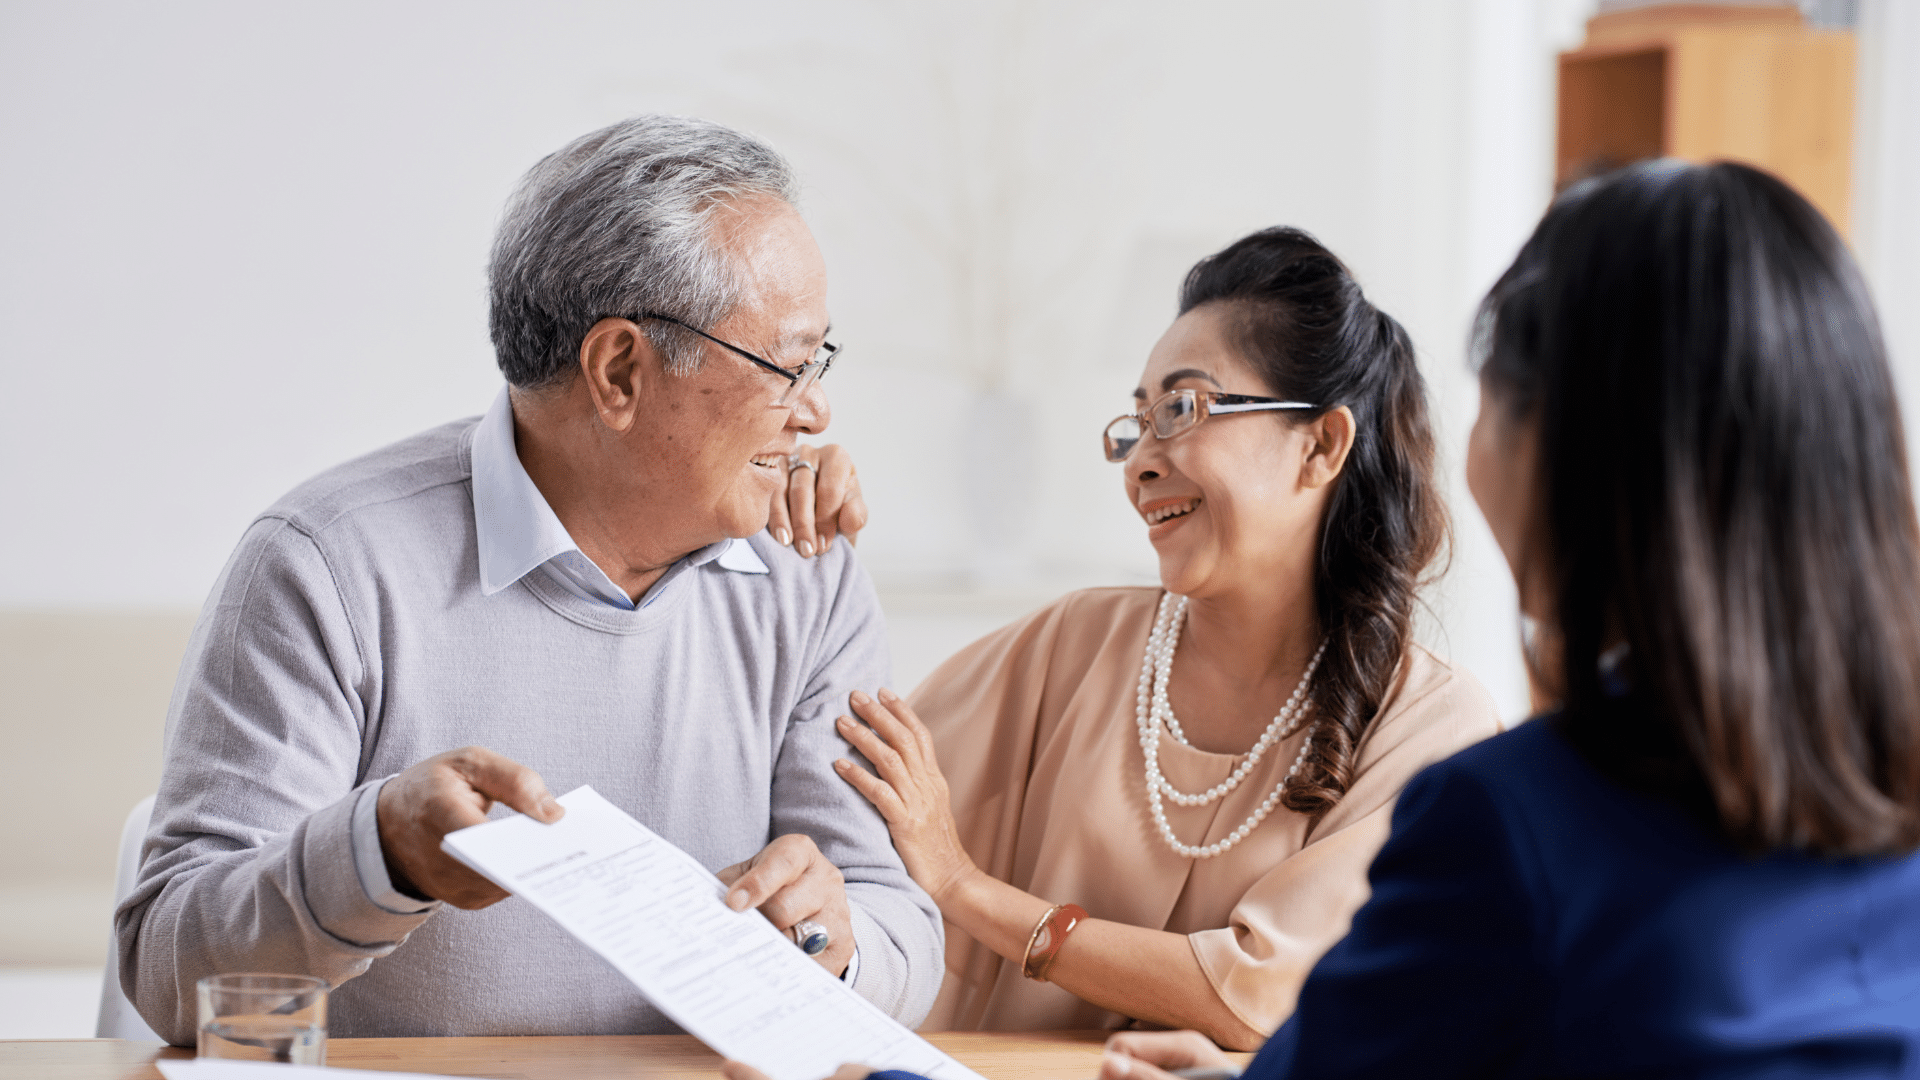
811,937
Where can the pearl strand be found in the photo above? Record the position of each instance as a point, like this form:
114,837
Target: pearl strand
1154,713
1158,668
1221,847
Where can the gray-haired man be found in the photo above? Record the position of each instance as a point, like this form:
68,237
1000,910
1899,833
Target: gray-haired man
556,591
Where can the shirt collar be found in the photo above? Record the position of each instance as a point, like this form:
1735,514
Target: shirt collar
518,531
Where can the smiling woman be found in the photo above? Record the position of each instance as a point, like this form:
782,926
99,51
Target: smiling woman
1114,838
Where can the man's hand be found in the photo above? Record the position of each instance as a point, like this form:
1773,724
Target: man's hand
1153,1055
790,880
444,793
820,503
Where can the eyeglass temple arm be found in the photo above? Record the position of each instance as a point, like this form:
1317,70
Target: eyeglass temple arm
775,368
1259,406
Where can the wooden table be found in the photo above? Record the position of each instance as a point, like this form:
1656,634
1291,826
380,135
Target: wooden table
1038,1055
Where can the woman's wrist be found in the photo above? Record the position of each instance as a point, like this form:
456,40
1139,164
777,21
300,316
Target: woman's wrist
994,913
956,884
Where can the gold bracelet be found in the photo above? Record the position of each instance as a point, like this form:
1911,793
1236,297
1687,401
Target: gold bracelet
1027,956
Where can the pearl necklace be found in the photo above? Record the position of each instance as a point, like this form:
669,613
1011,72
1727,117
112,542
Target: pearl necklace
1154,713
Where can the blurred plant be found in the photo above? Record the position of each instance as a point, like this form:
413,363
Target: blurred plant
996,150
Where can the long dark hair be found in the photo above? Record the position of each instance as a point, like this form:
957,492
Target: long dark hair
1725,491
1302,322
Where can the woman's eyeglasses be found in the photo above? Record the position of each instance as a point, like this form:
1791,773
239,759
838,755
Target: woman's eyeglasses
1180,412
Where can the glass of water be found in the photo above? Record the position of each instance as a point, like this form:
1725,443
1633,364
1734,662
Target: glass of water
264,1018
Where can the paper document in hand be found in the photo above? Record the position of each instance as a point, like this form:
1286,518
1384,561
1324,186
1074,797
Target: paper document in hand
728,977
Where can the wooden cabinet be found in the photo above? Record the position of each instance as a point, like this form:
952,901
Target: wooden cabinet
1709,82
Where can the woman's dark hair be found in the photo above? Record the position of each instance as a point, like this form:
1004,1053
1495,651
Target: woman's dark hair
1724,489
1301,321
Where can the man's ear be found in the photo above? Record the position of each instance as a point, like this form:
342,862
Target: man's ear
618,363
1332,439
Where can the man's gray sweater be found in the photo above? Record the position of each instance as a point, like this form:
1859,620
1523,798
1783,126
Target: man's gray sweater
348,638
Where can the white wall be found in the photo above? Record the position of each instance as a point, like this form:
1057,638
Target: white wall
247,241
241,242
1886,214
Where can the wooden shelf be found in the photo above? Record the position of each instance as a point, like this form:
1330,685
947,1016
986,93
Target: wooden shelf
1710,82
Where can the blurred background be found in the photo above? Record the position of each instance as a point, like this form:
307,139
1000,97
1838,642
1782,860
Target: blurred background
244,242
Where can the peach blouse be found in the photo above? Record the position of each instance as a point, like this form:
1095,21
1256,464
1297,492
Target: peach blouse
1035,730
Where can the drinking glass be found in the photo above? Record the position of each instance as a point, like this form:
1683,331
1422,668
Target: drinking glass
264,1018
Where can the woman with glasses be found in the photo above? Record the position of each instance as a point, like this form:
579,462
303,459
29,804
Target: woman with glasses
1706,860
1158,805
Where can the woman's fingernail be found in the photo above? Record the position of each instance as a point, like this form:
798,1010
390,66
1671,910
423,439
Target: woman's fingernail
737,899
1118,1063
806,550
860,697
845,722
783,536
826,542
842,764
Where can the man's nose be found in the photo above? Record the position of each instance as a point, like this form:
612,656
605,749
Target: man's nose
811,413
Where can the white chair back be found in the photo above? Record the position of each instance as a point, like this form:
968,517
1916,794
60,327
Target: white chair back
118,1020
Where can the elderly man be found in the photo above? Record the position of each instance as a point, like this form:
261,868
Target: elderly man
555,594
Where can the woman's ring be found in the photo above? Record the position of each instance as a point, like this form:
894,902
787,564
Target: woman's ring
798,462
811,937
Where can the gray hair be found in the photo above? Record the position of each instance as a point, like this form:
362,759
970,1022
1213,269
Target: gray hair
618,223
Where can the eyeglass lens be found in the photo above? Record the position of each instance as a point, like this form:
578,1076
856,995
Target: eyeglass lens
1169,416
810,373
1121,437
1174,413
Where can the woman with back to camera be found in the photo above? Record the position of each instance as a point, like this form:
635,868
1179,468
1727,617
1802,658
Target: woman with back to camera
1702,864
1159,805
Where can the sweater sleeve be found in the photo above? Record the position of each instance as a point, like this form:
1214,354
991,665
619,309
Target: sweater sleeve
896,926
248,864
1438,976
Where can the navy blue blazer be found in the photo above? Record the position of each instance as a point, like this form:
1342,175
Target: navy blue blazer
1531,916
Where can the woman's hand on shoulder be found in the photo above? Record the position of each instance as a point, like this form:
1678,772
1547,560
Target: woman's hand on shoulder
909,791
1153,1055
820,501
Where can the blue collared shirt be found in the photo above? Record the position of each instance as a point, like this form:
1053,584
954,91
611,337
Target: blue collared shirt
520,533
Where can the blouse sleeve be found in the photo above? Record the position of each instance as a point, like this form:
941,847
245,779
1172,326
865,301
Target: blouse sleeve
983,707
1438,977
1296,911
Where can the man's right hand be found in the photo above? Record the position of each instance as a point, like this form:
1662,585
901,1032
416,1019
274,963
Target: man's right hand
439,795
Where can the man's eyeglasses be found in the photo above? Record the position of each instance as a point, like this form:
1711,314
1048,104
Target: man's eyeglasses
798,382
1181,412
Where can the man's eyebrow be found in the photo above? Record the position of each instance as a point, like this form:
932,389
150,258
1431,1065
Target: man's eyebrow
805,337
1185,373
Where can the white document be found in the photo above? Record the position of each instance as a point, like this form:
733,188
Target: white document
728,977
